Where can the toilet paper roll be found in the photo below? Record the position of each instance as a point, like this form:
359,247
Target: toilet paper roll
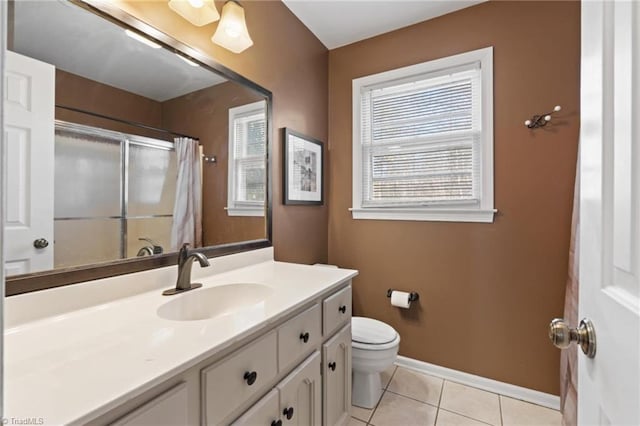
400,299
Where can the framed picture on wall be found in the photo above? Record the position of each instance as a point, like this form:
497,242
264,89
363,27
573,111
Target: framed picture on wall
303,169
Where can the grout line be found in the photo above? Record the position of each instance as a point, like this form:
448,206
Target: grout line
384,389
377,404
435,422
500,406
391,378
441,393
413,399
465,416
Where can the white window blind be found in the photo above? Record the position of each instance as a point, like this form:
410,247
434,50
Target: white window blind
420,140
423,140
247,160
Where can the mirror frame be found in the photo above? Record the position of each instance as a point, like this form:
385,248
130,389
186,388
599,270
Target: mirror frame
35,281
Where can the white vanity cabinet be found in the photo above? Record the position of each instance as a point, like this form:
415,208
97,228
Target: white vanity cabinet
295,372
245,373
301,394
336,371
296,401
167,409
336,311
299,336
265,412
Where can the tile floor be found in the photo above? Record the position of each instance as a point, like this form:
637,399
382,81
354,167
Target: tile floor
412,398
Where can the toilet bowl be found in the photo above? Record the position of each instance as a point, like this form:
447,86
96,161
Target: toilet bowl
374,349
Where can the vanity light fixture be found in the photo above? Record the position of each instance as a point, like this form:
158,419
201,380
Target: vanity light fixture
142,39
187,60
198,12
232,33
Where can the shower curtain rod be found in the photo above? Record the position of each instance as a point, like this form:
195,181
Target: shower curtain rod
130,123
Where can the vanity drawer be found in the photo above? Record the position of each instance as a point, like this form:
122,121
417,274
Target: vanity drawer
264,412
336,311
229,383
298,336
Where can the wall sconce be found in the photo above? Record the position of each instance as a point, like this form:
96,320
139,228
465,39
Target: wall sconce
232,30
198,12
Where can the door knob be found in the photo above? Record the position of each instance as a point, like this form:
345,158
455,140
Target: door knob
40,243
585,335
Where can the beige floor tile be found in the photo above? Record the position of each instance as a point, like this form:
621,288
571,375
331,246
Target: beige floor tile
395,410
516,412
361,413
385,376
447,418
416,385
355,422
471,402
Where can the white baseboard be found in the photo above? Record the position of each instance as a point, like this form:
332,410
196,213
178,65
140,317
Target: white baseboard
506,389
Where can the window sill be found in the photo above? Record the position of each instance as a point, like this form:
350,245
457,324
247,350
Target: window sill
434,215
239,211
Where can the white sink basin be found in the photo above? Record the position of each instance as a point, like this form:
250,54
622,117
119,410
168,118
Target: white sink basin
213,302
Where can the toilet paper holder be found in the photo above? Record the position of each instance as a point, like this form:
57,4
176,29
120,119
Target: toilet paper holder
413,296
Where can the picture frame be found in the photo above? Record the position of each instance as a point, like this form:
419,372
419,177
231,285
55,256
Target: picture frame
303,169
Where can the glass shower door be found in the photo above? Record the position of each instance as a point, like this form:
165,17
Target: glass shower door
152,175
88,224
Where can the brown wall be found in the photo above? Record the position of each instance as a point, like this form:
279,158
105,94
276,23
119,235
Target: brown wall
78,92
487,291
287,59
205,113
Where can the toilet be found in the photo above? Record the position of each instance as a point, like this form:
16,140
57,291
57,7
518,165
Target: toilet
374,349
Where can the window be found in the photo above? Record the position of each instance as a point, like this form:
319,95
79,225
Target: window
247,160
423,141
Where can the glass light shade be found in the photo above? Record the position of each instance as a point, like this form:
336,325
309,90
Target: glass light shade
232,30
198,12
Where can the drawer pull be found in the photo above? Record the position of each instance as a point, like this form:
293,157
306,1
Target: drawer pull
343,309
332,366
250,377
288,412
304,337
276,423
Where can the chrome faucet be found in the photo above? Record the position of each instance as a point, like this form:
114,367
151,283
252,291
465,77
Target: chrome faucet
185,261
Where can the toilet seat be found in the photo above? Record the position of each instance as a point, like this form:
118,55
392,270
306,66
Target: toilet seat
371,334
378,347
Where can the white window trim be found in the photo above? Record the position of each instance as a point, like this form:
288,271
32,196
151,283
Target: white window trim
232,208
482,213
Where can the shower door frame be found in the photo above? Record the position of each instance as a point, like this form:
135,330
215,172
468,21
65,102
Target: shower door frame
125,140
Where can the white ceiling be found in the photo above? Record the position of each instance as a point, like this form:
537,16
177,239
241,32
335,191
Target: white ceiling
340,22
79,42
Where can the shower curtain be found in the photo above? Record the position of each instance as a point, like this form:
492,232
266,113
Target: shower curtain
569,356
187,211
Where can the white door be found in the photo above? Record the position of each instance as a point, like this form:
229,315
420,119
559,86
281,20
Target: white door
29,142
609,383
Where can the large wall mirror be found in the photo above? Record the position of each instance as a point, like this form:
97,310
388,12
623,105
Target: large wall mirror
122,144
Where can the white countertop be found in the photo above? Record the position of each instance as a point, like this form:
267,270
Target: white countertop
77,365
